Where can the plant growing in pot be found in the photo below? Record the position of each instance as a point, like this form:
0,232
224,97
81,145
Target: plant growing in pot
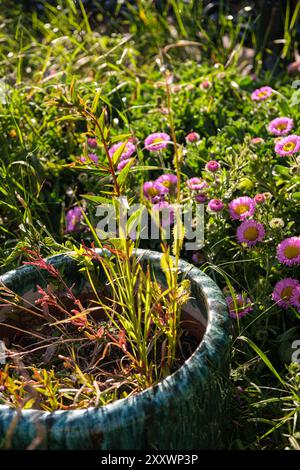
109,346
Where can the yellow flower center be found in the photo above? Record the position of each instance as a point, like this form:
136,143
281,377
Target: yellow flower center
281,126
251,233
286,293
261,94
241,209
291,252
289,146
152,192
158,140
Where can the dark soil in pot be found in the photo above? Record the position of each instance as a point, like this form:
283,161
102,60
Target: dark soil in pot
28,357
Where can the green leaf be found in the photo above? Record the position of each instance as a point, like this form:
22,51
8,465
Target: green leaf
284,107
282,170
96,101
96,199
69,117
134,219
124,173
120,137
263,357
167,265
179,232
117,154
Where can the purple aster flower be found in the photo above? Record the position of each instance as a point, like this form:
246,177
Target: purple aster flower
198,258
91,157
157,141
241,208
92,143
192,137
199,186
288,145
212,166
239,306
281,126
169,181
154,191
288,251
250,232
128,150
262,93
196,184
123,163
215,205
201,198
283,291
295,297
73,219
167,212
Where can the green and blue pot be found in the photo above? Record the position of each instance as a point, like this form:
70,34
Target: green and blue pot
187,410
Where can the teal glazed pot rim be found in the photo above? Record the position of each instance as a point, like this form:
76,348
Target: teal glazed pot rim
215,341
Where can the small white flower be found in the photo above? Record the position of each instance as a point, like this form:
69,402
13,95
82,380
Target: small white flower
276,223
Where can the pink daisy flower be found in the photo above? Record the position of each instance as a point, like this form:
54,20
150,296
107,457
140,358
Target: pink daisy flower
241,208
295,297
257,140
259,198
192,137
262,93
74,217
288,251
129,149
201,198
215,205
157,141
288,145
91,157
167,213
154,191
196,184
239,306
212,166
169,181
283,291
205,85
281,126
250,232
123,163
199,186
92,143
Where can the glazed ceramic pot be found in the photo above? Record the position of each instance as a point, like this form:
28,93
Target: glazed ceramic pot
187,410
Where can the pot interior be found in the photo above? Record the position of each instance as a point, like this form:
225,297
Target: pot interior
24,282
